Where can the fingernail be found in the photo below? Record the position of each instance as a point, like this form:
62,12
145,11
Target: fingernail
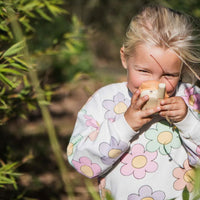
158,108
137,91
162,102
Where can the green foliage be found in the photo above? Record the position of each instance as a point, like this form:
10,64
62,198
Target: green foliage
74,56
18,57
190,7
55,49
8,174
29,12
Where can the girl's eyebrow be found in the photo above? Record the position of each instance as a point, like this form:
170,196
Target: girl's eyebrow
162,70
141,66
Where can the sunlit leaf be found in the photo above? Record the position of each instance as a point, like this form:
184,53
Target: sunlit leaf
26,22
22,62
10,71
55,10
18,66
6,81
3,65
14,49
31,5
43,15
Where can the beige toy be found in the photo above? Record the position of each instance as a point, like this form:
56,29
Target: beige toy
155,90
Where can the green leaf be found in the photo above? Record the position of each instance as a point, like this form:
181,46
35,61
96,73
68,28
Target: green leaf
55,10
18,66
22,62
9,166
185,194
44,15
6,81
26,22
14,49
3,66
32,5
31,106
10,71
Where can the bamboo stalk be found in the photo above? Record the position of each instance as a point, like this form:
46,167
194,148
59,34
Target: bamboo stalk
44,109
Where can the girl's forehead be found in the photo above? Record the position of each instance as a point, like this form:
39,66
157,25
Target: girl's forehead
156,57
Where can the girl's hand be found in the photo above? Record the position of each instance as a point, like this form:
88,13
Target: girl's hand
135,116
173,108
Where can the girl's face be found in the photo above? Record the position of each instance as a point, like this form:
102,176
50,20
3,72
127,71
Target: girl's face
152,63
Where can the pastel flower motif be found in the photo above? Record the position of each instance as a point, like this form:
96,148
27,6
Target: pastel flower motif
72,146
192,98
86,167
116,107
163,138
91,122
185,177
139,162
146,193
198,150
193,157
112,151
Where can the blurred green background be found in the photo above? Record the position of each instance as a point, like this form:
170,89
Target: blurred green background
54,55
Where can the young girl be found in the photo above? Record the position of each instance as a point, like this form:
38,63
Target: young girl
144,154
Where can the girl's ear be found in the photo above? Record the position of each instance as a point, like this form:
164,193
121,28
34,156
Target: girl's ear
123,59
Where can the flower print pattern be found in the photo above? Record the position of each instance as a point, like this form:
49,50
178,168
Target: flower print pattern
112,151
192,98
163,138
91,122
72,145
139,162
184,176
198,150
146,193
193,157
86,167
116,107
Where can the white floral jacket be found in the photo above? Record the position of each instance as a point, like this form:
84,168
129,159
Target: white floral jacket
153,163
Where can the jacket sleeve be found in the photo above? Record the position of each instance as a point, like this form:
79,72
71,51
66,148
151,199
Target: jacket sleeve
97,142
189,127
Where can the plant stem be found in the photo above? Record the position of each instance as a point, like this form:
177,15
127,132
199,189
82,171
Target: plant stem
44,109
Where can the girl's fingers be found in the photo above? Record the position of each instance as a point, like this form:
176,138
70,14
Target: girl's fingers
137,102
141,101
171,100
174,108
150,112
169,114
135,97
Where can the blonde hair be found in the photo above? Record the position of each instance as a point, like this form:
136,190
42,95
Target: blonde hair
163,27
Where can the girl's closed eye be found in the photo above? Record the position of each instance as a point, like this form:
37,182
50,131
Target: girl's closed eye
144,71
174,75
